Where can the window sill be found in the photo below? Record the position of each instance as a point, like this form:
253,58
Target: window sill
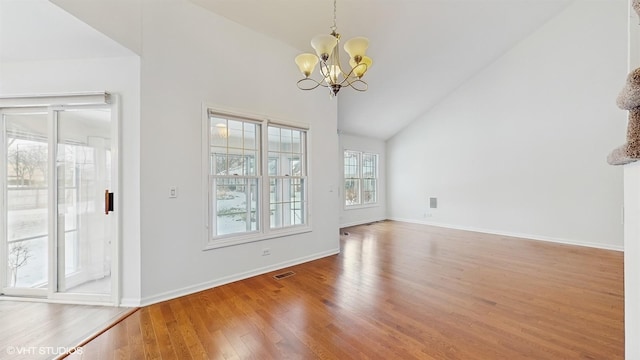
358,207
244,239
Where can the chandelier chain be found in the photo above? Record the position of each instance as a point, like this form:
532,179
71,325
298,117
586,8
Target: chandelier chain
334,27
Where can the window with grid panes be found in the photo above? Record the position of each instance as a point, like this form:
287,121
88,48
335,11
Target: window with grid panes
360,178
234,175
287,177
257,178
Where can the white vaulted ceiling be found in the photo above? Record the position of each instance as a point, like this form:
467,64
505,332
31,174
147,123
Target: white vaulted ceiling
422,49
33,30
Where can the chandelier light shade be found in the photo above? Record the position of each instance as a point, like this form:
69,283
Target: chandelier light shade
356,47
359,71
333,75
324,45
307,63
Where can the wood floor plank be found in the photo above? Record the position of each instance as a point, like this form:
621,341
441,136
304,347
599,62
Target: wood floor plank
161,331
398,290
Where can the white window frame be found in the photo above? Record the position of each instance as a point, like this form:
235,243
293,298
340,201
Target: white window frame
263,231
360,179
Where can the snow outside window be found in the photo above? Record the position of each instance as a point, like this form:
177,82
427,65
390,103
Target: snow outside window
234,175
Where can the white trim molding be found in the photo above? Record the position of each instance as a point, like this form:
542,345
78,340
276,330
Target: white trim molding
515,235
172,294
361,222
89,98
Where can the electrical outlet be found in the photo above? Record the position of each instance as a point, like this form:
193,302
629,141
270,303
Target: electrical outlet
266,252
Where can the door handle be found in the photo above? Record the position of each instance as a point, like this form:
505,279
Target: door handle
108,202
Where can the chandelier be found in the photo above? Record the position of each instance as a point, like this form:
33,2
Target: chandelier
331,70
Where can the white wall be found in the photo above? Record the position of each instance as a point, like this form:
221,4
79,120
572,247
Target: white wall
192,56
520,148
116,75
100,15
632,222
365,214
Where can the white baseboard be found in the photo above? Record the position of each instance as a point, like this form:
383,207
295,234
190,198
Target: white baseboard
168,295
514,235
362,222
130,302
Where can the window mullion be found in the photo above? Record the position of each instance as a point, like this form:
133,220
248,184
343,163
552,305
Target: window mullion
266,181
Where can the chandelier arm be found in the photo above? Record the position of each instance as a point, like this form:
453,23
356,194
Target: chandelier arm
351,81
324,69
348,76
314,85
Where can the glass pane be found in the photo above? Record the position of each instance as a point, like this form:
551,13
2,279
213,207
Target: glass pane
251,161
250,137
83,166
276,198
351,164
285,140
218,161
297,213
274,138
276,215
351,192
236,204
295,166
369,165
298,202
275,191
287,202
236,164
235,134
296,142
27,200
273,164
369,191
218,132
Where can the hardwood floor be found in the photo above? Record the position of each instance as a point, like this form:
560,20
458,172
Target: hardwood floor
34,330
397,291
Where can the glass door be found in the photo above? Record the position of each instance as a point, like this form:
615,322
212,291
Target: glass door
84,228
57,240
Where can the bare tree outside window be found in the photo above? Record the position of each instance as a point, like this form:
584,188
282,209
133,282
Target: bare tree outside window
19,254
27,160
